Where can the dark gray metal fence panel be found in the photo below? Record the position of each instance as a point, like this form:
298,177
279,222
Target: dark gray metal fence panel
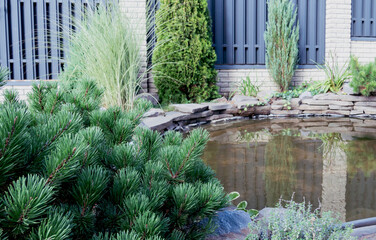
34,35
3,34
311,16
28,40
239,26
363,18
15,40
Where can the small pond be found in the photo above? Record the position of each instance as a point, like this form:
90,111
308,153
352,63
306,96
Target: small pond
329,162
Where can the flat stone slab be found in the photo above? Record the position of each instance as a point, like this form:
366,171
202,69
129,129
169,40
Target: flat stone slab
286,112
327,102
277,107
327,96
338,107
193,116
247,104
366,110
154,112
161,122
190,107
280,102
241,98
220,116
312,107
262,110
218,106
366,104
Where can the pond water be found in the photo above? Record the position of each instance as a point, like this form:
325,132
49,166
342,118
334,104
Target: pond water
329,162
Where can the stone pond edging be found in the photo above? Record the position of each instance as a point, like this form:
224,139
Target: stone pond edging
186,116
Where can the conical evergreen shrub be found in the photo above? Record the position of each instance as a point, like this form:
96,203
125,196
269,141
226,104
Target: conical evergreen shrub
281,39
183,59
69,170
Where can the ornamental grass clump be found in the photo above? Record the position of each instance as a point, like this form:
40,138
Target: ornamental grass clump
183,62
106,48
281,39
4,72
69,170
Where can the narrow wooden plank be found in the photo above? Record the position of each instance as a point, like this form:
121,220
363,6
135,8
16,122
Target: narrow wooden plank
219,26
367,18
66,27
373,16
229,31
261,25
16,43
302,16
312,30
321,13
41,23
251,30
54,36
78,12
239,27
358,18
29,39
3,34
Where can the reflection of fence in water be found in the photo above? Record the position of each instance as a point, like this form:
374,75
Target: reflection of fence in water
242,167
361,179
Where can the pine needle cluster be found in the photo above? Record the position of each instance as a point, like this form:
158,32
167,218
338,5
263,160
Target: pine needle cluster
69,170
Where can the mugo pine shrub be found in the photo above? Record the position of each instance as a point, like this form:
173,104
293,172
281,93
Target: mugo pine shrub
281,38
69,170
363,77
183,62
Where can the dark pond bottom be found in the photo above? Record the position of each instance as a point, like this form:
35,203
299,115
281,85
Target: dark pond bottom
329,162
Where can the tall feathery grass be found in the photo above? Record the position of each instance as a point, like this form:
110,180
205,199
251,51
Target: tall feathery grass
4,72
107,49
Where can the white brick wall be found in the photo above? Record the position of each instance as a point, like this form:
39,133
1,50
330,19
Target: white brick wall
22,91
364,50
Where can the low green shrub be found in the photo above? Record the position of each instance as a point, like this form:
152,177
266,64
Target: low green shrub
183,61
363,77
69,170
281,39
298,221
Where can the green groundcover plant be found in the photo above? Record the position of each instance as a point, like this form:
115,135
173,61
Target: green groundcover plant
183,63
69,170
297,221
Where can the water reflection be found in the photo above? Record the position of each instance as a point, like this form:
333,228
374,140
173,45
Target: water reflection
328,162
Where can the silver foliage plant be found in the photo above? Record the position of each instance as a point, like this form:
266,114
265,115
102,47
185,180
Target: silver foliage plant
294,221
281,38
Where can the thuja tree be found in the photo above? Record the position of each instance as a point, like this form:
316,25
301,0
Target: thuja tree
183,58
69,170
281,38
